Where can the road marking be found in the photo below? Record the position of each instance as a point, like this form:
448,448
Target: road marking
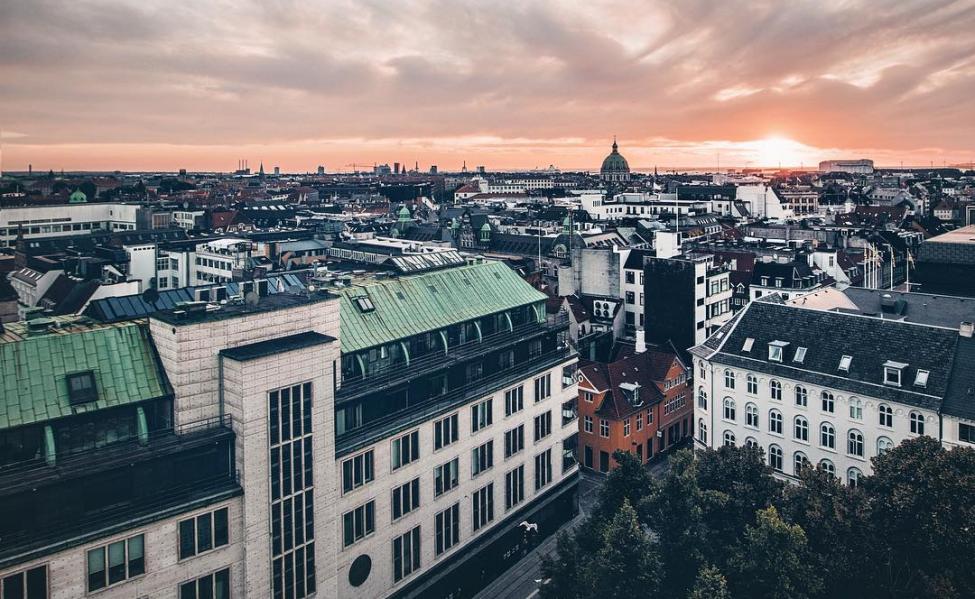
535,592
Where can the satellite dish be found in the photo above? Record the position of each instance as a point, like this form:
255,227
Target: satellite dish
251,298
150,296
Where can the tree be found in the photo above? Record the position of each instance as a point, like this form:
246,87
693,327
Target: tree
629,481
562,571
772,561
628,564
710,584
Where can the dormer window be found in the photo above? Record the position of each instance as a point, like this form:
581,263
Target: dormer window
632,393
776,349
845,363
921,379
800,355
892,372
765,281
747,346
364,304
81,387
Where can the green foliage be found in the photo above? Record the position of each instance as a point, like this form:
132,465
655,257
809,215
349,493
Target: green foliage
710,584
629,481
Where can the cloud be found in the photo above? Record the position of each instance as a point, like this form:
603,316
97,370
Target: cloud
831,74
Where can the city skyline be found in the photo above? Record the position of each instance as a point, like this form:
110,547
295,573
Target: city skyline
144,86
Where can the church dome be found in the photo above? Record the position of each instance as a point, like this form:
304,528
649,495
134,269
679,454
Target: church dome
615,167
78,197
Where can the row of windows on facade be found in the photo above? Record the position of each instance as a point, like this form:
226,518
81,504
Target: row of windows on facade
587,424
885,414
360,523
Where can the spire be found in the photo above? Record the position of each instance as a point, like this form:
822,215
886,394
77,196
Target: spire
615,147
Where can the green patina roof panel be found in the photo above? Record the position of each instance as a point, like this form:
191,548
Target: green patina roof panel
33,369
412,305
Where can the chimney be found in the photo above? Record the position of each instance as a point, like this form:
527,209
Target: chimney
641,342
966,329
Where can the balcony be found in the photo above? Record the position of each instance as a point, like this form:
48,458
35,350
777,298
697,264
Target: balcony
354,387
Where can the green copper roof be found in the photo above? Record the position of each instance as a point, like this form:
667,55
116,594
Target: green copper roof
33,386
78,197
412,305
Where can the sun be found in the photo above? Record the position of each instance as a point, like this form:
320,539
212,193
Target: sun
775,150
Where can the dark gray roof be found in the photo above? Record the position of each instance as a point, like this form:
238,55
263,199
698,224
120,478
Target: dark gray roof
276,346
829,335
960,399
935,310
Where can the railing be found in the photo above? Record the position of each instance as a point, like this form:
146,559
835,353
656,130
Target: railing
437,360
402,419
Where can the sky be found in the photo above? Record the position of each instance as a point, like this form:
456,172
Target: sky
163,85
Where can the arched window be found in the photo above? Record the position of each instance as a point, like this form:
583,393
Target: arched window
775,389
729,378
750,442
884,445
828,403
799,461
775,421
702,431
729,438
827,436
802,396
751,415
853,477
801,427
886,416
917,423
702,398
775,457
854,443
729,409
828,467
856,409
752,387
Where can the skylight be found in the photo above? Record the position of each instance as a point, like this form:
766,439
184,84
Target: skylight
845,363
748,344
800,355
364,304
921,380
81,387
775,350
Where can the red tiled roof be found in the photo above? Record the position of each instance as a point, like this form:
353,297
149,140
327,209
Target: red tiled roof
646,369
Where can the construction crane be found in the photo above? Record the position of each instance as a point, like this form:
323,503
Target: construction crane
355,166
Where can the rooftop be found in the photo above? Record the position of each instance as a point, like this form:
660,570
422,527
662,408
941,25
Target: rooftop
270,303
964,235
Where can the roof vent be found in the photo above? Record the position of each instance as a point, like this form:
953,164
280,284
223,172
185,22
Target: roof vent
37,326
887,302
966,329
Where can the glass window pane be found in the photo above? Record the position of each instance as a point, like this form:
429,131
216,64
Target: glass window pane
137,562
204,533
187,590
13,586
96,569
222,584
220,528
116,562
37,583
187,539
204,587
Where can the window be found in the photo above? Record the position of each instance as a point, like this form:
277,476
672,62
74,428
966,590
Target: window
828,402
481,415
514,487
543,426
775,422
729,379
800,355
211,586
752,384
406,449
482,458
827,467
639,422
28,584
854,443
702,431
203,533
445,432
751,443
359,523
801,427
543,387
917,423
357,471
729,438
543,469
921,378
115,562
650,416
845,362
514,400
892,373
729,409
853,477
856,409
884,445
587,424
751,415
406,554
799,461
775,390
775,350
747,345
886,416
446,477
482,506
775,457
966,432
406,498
827,436
802,396
702,399
447,527
604,428
514,440
81,387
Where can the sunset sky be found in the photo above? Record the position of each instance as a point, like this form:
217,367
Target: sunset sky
146,85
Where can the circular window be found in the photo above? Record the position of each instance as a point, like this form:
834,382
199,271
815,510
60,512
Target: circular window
359,571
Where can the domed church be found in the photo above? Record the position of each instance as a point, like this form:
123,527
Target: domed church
615,169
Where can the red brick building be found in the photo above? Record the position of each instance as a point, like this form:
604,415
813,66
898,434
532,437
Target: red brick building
640,403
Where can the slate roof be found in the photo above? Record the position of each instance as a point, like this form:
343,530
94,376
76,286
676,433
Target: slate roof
33,387
416,304
870,341
960,398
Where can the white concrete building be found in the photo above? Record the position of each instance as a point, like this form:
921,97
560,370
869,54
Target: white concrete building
65,220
